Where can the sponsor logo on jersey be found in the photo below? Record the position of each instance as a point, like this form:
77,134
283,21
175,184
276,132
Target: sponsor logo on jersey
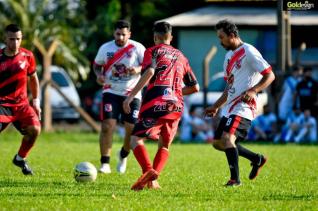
108,107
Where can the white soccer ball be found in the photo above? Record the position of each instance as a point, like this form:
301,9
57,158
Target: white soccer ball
85,172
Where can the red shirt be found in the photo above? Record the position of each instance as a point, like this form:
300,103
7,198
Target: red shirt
14,72
163,96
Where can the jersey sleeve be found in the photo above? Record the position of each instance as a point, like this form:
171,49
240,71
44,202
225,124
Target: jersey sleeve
100,58
147,60
140,53
32,64
257,62
189,78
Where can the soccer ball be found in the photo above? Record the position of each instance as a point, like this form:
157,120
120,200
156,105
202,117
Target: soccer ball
85,172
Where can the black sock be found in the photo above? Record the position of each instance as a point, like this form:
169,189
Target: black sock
244,152
123,153
232,159
104,159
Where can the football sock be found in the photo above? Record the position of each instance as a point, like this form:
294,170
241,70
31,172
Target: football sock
142,157
123,153
19,158
104,159
232,159
160,159
25,147
244,152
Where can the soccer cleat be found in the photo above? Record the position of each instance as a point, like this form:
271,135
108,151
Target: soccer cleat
256,167
105,168
23,164
153,185
150,175
232,183
122,164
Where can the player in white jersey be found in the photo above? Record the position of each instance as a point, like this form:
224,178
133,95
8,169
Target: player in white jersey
117,66
246,73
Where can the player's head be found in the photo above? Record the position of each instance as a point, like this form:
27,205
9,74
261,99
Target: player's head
13,38
162,32
228,34
122,32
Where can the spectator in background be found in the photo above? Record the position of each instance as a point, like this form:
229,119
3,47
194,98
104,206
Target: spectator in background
285,106
306,92
308,130
264,127
201,130
292,125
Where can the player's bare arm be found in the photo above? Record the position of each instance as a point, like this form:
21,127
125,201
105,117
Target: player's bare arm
212,110
263,84
98,69
134,70
35,91
187,90
140,85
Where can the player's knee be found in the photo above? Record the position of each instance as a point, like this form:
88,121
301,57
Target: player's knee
33,132
218,145
135,141
107,127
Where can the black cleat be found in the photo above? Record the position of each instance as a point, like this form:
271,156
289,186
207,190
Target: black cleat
232,183
256,167
26,170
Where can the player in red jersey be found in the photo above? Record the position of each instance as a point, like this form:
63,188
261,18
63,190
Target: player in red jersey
168,76
17,65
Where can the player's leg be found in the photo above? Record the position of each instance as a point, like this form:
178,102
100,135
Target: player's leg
217,141
29,126
129,122
110,113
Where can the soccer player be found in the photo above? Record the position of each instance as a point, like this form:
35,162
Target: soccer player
117,66
168,76
246,74
17,66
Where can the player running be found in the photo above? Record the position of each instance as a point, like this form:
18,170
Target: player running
17,66
246,74
164,71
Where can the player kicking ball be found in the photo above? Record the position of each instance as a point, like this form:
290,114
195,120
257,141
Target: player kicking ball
164,70
246,74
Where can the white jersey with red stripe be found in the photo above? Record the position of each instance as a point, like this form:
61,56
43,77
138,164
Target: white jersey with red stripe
117,79
243,68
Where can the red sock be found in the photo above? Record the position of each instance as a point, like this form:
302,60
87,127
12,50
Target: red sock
25,147
142,157
160,159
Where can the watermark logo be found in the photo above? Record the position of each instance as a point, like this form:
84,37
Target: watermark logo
298,5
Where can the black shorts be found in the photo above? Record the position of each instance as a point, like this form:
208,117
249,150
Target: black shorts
234,124
112,108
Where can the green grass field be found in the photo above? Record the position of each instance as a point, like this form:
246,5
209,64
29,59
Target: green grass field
192,180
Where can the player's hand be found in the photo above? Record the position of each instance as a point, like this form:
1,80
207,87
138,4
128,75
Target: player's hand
132,70
37,107
126,105
248,95
211,111
100,79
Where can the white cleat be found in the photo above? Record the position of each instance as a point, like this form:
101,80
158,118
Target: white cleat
122,164
105,168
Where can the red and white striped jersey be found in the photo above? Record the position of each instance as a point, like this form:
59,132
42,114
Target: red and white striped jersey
117,79
243,68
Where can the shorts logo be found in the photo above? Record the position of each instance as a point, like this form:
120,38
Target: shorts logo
148,122
108,107
135,114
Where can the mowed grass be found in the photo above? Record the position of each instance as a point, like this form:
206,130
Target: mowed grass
192,180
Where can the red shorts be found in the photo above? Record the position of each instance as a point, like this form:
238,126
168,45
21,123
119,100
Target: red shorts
152,129
21,116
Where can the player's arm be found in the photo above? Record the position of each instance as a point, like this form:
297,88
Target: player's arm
213,109
35,92
134,70
98,70
187,90
146,76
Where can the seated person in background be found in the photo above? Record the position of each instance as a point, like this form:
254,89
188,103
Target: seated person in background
308,130
201,130
264,127
292,125
186,128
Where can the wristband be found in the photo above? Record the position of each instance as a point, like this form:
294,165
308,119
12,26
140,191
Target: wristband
36,102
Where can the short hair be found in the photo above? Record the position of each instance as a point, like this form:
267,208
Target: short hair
228,27
162,27
12,28
122,24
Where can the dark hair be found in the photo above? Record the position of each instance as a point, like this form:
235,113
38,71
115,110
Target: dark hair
307,69
228,27
297,67
122,24
12,28
162,27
